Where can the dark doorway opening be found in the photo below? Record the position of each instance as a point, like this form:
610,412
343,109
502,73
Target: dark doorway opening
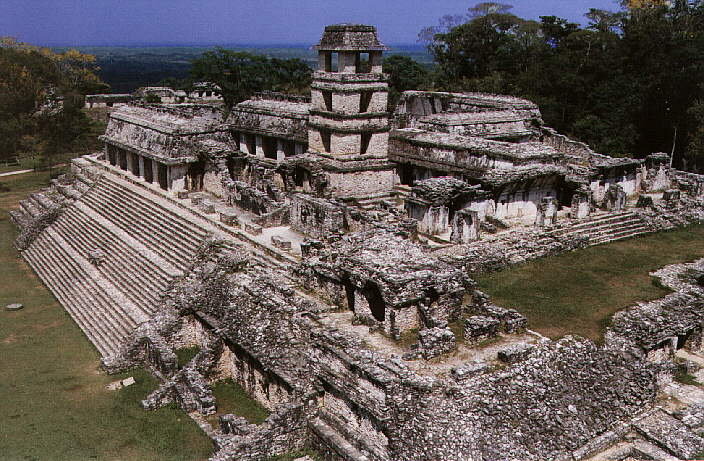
163,175
376,302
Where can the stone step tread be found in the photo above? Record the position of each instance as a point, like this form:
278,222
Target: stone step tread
110,312
140,290
127,239
333,439
141,218
76,297
113,293
176,255
597,222
613,225
192,216
82,309
150,217
104,346
120,255
176,213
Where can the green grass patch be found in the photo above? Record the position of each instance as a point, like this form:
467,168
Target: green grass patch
232,399
578,292
186,354
54,401
683,377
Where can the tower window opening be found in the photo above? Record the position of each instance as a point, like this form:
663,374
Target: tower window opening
365,100
363,63
366,139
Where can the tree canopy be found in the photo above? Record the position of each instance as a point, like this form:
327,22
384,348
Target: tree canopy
241,74
41,96
628,83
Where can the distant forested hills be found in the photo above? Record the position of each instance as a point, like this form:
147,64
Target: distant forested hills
127,68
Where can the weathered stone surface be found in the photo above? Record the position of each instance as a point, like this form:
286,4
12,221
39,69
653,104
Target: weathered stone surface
479,328
517,353
14,307
670,434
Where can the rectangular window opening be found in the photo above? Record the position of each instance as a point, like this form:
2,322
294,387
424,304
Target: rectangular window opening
269,146
364,65
365,100
325,135
327,97
366,139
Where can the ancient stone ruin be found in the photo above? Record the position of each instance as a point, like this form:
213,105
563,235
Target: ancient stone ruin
319,252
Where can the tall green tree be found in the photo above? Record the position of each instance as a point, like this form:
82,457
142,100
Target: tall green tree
404,74
241,74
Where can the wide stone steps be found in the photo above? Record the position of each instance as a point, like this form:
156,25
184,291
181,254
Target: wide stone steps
134,276
171,208
158,214
162,237
604,229
101,310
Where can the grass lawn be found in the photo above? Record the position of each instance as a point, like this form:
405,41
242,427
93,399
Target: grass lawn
232,399
577,292
53,401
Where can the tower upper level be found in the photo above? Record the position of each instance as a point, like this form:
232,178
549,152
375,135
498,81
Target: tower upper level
350,49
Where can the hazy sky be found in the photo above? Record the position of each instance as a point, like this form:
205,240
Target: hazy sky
86,22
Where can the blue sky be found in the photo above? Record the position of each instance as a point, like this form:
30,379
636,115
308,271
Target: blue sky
96,22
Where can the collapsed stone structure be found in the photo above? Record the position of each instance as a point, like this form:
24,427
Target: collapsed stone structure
317,251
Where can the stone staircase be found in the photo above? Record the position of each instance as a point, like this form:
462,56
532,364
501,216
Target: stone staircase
605,228
145,238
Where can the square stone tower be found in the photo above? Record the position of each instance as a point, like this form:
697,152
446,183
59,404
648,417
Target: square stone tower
349,93
349,119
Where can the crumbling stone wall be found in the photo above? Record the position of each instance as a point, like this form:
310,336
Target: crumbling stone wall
562,395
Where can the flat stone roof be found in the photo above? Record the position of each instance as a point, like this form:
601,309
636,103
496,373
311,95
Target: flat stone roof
268,106
481,99
522,151
472,118
186,119
350,37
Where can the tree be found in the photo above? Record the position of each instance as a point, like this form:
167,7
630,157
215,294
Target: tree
39,87
240,74
404,74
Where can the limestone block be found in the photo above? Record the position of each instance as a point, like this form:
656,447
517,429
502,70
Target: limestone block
480,328
465,226
671,195
197,198
253,228
14,307
644,201
207,206
182,194
436,341
547,212
230,218
468,370
516,353
280,243
615,199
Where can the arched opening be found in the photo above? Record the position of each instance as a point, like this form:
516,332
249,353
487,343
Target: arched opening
376,302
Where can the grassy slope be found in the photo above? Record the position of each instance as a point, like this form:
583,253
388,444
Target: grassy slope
54,402
576,293
231,398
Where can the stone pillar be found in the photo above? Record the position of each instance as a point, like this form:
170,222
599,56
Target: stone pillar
376,58
260,146
177,178
581,204
280,152
547,212
436,220
465,226
130,162
243,144
615,199
141,166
